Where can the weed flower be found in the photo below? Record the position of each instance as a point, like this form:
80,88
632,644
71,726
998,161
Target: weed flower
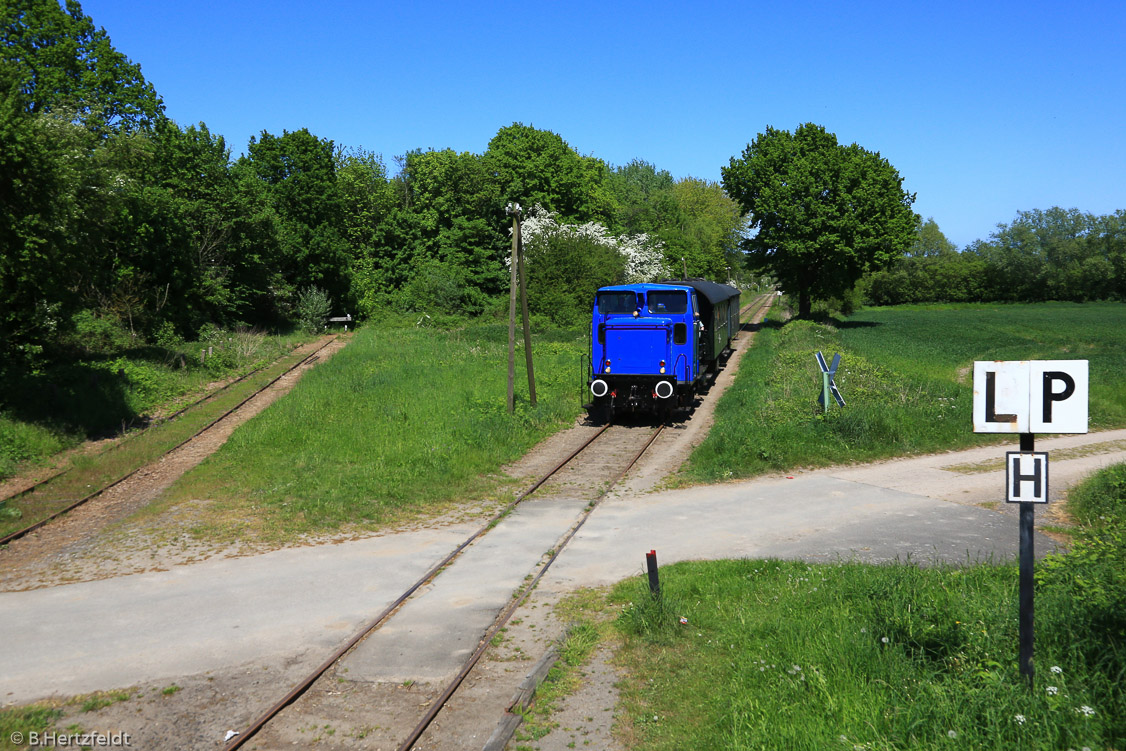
1057,669
884,639
1052,690
1085,711
951,734
1019,718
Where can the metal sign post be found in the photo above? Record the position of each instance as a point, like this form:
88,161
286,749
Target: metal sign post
1026,483
1023,397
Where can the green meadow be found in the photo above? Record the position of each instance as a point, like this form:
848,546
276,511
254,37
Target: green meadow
400,422
906,375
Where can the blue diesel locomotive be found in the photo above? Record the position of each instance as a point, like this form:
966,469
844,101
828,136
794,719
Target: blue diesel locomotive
652,345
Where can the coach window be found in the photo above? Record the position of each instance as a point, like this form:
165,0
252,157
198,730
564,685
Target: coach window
617,302
674,301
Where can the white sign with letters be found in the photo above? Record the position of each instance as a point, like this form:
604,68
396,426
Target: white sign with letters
1031,396
1026,477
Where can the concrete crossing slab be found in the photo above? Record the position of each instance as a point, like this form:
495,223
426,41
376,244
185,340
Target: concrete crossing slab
433,634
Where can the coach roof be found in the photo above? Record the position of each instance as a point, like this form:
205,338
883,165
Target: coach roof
713,292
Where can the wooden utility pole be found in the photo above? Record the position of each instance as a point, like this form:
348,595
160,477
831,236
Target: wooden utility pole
514,210
517,278
524,311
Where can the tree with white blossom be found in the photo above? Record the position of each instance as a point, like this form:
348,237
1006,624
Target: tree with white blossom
643,253
568,262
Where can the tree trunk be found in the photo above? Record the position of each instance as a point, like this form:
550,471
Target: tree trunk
805,304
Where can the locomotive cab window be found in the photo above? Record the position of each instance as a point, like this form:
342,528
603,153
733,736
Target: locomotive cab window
617,302
680,333
674,301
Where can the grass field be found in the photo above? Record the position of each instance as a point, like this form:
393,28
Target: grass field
785,655
906,375
400,420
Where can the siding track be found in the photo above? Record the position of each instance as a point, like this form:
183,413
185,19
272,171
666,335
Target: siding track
73,504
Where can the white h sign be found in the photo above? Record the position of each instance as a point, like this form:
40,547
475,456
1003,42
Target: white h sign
1026,477
1031,396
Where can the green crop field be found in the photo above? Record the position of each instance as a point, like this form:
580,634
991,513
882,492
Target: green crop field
906,375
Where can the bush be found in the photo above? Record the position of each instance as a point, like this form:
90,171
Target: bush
313,309
99,333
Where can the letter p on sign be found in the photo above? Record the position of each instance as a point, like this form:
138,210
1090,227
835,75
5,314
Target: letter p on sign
1031,396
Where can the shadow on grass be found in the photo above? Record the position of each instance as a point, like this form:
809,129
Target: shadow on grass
78,398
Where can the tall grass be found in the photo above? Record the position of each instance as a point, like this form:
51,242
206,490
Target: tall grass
906,375
400,419
782,655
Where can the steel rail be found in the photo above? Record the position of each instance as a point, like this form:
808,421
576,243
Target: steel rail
758,304
159,421
43,522
375,623
506,614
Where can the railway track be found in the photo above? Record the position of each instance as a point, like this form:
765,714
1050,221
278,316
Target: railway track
605,456
602,446
210,396
751,309
73,504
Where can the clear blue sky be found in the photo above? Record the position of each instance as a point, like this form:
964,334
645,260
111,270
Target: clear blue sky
985,108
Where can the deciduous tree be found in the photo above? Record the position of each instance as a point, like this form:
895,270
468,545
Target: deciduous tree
537,167
822,213
68,66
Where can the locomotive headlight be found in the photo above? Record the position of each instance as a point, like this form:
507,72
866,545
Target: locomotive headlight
662,367
607,368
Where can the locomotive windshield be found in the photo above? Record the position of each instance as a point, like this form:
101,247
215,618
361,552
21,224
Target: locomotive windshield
617,302
673,301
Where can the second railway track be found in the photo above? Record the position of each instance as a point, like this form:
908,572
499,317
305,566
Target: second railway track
63,506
